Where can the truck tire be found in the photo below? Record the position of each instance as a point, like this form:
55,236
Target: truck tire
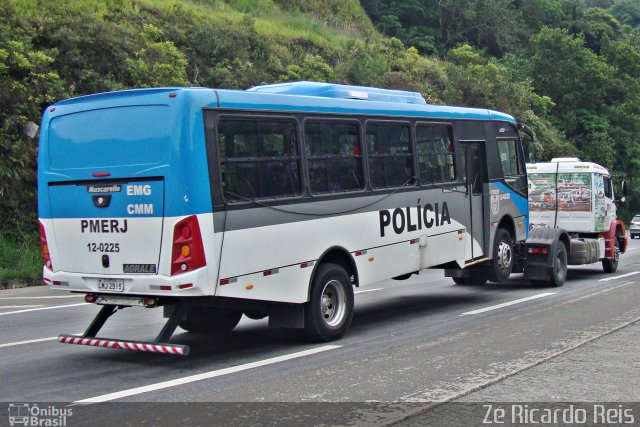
611,265
559,268
328,314
211,320
502,259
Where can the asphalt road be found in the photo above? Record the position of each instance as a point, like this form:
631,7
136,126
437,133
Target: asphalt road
412,343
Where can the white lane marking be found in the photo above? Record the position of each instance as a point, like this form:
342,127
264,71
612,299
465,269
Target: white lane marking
49,297
13,344
44,308
4,307
631,249
507,304
203,376
364,291
633,273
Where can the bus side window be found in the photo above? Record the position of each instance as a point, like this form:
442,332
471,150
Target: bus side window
390,155
258,159
507,149
435,154
334,156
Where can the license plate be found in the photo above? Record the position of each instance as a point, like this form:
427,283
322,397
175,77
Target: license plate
111,285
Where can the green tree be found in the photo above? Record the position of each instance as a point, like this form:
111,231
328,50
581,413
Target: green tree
627,12
27,85
158,63
312,68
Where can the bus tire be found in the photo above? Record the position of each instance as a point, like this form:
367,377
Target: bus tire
502,259
211,320
328,314
477,280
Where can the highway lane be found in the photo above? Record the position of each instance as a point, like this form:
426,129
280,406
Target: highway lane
411,341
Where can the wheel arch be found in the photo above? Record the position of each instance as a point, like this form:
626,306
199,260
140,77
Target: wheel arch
508,224
336,255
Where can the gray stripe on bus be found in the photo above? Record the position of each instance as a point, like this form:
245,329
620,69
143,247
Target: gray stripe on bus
261,216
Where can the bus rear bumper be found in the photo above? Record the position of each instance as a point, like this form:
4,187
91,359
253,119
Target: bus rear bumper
191,284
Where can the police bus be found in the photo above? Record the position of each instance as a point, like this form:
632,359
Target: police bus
275,201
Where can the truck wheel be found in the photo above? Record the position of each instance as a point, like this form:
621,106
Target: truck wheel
559,268
211,320
611,265
502,263
328,314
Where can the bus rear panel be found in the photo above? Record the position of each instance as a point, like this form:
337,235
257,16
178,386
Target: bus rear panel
120,207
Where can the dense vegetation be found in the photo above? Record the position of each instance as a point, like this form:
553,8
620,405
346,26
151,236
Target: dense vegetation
570,69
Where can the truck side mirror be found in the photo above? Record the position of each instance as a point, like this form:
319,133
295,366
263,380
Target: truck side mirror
624,191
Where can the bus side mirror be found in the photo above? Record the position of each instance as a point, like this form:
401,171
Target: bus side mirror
529,144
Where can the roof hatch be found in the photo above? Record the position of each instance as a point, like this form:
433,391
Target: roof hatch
337,91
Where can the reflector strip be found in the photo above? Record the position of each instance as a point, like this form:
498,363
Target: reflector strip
228,280
179,350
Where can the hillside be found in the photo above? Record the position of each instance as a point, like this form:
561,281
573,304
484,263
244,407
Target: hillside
568,68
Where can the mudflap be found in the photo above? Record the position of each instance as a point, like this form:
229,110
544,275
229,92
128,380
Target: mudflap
539,250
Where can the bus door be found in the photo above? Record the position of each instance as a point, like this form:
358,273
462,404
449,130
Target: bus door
474,168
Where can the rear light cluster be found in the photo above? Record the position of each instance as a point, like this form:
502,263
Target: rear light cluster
539,250
188,251
45,248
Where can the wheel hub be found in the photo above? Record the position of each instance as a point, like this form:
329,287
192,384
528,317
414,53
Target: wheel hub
504,256
333,303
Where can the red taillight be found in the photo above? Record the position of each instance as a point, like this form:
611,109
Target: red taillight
45,248
188,252
538,250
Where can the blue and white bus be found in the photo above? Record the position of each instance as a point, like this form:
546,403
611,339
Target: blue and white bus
275,201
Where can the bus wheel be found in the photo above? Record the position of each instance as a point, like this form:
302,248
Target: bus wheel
479,279
328,314
211,320
502,264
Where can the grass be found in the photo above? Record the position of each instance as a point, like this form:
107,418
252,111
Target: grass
21,262
272,22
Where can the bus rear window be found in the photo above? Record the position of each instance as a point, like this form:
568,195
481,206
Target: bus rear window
110,137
